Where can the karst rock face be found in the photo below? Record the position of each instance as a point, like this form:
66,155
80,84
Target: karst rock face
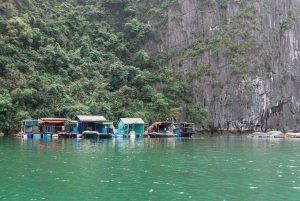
242,60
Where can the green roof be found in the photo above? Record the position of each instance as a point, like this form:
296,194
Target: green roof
132,120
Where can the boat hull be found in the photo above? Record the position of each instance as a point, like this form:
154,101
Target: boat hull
105,135
168,135
187,134
161,135
90,136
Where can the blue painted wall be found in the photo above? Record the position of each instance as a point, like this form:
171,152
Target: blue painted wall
82,126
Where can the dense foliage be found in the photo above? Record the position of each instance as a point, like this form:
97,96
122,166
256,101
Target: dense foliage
70,57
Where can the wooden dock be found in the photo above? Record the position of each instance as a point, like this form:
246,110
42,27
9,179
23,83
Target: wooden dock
75,135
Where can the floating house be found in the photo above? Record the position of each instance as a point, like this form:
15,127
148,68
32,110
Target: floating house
131,126
52,125
94,126
30,126
43,127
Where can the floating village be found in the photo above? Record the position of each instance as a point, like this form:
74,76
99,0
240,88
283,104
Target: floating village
91,126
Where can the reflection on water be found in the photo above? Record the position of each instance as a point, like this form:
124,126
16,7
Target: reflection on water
198,168
119,144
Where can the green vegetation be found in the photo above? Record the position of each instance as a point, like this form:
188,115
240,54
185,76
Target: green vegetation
234,40
197,114
104,57
228,102
290,21
65,58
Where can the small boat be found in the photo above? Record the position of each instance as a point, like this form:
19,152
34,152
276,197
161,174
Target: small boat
270,134
165,129
275,134
105,135
258,135
184,129
96,134
292,135
90,134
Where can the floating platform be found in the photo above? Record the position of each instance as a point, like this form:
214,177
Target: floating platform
86,135
54,135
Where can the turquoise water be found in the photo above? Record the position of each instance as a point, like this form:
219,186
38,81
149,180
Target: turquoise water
199,168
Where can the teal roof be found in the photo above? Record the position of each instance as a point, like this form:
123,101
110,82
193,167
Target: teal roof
132,120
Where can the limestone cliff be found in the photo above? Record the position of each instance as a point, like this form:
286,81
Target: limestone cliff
241,58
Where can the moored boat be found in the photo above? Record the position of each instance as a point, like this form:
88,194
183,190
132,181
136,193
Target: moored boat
258,135
270,134
275,134
105,135
90,134
292,135
165,129
95,134
184,129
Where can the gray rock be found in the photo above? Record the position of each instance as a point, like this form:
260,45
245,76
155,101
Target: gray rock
251,75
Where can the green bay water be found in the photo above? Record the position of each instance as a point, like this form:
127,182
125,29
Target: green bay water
221,168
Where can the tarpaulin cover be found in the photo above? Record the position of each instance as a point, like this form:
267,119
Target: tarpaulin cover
53,122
